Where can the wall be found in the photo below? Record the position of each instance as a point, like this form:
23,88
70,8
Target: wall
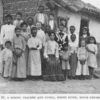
1,12
27,7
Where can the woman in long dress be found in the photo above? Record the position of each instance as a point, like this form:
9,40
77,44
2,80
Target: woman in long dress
53,70
34,60
19,63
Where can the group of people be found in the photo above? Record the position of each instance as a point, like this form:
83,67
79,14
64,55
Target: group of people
37,48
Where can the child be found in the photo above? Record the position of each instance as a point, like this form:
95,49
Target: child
7,60
65,54
34,61
73,44
92,60
53,71
82,70
19,45
7,30
17,22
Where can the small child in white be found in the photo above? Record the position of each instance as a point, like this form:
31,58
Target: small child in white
82,69
7,60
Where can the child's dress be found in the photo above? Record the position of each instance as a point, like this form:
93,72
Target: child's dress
53,70
92,58
19,69
82,68
6,62
34,60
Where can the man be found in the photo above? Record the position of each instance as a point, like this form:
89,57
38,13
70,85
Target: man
41,16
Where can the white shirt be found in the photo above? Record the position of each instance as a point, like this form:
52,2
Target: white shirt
41,18
51,23
41,35
17,22
34,42
7,33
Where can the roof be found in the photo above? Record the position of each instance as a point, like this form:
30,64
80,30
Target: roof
79,6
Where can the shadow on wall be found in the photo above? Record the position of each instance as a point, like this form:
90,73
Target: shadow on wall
98,55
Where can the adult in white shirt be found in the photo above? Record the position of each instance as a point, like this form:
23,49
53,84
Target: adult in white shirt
17,22
41,16
7,30
40,34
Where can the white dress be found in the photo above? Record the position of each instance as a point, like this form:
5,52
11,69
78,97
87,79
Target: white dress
34,61
7,33
82,55
92,59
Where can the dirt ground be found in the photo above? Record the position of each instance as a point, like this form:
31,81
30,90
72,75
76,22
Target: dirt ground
41,87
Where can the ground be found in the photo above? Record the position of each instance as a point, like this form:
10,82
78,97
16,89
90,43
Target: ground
39,86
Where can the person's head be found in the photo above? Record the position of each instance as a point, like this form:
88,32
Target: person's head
24,26
41,9
47,28
63,22
83,43
38,25
51,16
72,29
73,37
61,34
92,40
61,27
30,21
9,19
18,15
17,31
85,30
65,47
34,31
52,35
8,44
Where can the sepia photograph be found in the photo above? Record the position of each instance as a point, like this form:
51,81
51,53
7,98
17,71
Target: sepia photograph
49,47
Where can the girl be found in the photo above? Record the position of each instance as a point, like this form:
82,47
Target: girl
92,60
7,60
17,22
82,70
53,71
73,44
34,61
19,67
65,54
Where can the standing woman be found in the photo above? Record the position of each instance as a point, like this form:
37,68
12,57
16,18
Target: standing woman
34,60
53,70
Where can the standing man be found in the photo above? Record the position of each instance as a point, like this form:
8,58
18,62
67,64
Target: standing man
41,16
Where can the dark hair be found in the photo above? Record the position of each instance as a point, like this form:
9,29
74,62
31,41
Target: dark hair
17,28
22,24
9,16
19,13
8,42
29,18
33,28
51,32
72,26
91,37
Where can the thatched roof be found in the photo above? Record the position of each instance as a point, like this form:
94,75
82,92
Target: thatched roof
78,6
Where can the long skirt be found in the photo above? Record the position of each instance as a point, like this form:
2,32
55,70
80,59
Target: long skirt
19,69
34,63
7,67
73,64
53,70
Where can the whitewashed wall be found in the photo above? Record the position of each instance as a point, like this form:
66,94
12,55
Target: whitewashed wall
75,19
94,27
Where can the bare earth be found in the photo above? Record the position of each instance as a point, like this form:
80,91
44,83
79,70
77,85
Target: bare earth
39,86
